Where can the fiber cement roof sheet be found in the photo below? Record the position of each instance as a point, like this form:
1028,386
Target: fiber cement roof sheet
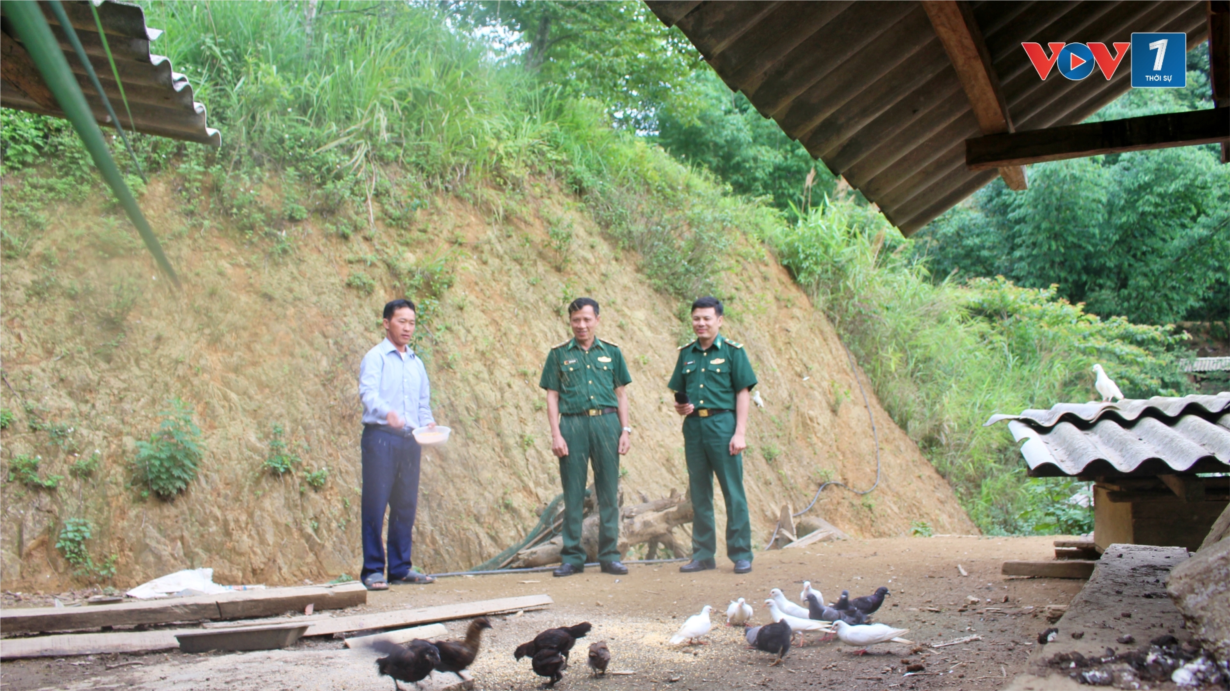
161,100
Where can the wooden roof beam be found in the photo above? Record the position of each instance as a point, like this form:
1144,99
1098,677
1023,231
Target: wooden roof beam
958,31
1219,59
1091,139
18,69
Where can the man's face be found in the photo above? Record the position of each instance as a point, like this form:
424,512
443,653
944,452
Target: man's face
400,327
706,322
584,322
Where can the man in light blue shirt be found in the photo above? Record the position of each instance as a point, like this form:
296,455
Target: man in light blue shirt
396,400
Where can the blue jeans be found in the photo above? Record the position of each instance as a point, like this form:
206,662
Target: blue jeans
390,478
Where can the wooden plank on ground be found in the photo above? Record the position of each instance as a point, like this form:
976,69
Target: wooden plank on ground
1076,553
426,615
429,632
1076,544
232,605
1068,568
70,644
812,538
66,645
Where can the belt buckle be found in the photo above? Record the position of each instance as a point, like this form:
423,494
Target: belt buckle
703,412
593,412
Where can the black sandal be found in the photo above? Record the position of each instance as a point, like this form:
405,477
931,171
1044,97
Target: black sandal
375,581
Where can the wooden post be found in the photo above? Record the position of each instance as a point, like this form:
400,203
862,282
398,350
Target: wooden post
1219,59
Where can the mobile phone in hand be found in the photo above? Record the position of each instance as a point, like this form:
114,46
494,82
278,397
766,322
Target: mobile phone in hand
681,398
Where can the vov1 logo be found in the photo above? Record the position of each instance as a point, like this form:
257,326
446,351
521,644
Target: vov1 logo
1076,60
1158,59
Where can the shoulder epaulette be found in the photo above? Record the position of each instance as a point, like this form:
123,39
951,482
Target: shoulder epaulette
561,345
685,345
732,344
612,343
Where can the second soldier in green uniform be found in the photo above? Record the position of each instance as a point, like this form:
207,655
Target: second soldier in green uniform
587,408
717,379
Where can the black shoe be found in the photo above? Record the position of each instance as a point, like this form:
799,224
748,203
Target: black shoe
567,570
614,567
698,565
743,566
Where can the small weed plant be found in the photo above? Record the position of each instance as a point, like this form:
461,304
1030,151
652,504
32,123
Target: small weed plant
280,461
317,478
6,418
24,469
85,467
167,463
921,529
71,545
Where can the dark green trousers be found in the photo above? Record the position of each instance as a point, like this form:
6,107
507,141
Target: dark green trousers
590,438
706,442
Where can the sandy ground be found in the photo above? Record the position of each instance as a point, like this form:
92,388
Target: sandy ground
637,613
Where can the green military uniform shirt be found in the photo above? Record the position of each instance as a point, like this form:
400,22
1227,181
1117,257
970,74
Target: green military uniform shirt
585,379
712,377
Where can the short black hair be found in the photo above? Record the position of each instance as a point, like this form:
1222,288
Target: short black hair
397,304
708,301
580,303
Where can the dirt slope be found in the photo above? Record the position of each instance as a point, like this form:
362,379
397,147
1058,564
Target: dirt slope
94,343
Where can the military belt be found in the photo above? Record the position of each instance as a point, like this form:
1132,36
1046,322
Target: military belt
709,412
593,412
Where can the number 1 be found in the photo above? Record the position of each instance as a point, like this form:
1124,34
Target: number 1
1160,47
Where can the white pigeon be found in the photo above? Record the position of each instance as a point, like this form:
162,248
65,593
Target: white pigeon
697,626
866,635
739,613
797,625
757,399
1105,386
788,607
807,589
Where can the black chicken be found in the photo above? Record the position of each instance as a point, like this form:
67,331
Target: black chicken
457,655
869,603
411,662
599,657
561,640
549,662
821,612
772,638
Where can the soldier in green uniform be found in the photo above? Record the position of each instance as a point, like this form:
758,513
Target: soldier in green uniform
717,378
587,408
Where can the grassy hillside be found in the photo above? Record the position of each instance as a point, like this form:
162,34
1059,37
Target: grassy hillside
95,346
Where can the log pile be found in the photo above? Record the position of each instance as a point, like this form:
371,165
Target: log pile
650,522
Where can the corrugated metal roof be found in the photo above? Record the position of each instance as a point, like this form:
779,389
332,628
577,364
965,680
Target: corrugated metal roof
161,99
1131,437
868,88
1207,364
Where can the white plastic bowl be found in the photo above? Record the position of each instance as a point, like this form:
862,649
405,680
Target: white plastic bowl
433,436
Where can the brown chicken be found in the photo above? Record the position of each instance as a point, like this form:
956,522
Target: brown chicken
599,657
457,655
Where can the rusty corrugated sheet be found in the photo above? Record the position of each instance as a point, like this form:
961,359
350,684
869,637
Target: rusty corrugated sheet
868,89
1132,437
161,100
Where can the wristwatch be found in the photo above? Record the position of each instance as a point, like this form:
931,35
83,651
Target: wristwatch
628,430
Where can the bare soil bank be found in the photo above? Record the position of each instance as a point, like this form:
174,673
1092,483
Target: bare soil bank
93,342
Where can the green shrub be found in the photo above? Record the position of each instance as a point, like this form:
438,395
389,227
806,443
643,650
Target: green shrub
361,282
317,478
24,469
85,467
1057,506
168,462
72,547
279,462
921,529
6,418
944,357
